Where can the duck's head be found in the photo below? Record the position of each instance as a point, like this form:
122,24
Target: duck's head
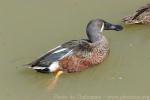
96,26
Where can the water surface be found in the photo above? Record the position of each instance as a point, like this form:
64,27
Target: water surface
28,28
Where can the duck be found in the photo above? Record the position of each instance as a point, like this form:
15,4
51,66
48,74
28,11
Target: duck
141,16
77,55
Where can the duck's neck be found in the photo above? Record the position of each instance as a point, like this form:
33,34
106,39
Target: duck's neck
94,37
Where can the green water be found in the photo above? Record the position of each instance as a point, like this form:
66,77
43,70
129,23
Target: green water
28,28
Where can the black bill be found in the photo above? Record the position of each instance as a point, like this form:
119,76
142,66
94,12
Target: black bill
109,26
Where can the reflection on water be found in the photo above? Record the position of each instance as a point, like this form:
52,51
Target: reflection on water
28,28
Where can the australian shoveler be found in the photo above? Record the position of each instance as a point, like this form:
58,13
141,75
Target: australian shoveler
77,55
141,16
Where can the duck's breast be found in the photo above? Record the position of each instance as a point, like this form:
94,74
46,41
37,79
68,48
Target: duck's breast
76,63
100,52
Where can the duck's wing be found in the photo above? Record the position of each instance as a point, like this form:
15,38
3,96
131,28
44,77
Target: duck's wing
49,61
48,57
141,10
80,48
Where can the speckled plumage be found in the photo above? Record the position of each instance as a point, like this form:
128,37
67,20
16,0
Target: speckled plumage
141,16
83,59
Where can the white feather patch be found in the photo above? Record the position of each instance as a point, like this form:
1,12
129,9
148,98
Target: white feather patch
38,67
54,66
102,28
60,50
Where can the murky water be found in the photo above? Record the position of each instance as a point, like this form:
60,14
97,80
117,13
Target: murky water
28,28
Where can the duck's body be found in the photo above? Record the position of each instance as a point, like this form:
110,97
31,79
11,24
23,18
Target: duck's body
91,54
77,55
141,16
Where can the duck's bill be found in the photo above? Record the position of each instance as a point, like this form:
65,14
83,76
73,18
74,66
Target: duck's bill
109,26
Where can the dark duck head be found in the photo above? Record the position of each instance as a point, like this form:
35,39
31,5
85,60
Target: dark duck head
96,27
